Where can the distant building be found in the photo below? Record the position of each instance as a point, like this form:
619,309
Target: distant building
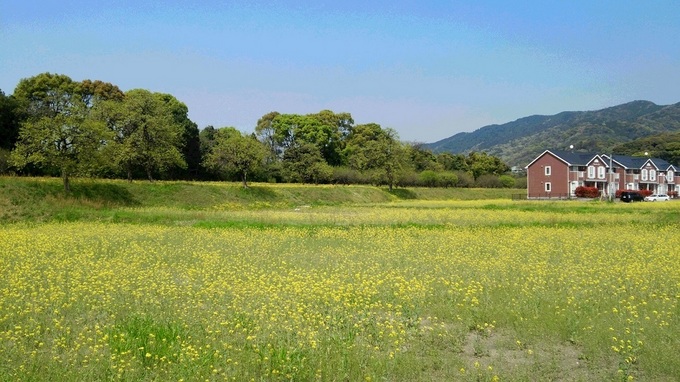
557,174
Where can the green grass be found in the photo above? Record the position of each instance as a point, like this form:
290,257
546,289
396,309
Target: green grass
210,281
43,199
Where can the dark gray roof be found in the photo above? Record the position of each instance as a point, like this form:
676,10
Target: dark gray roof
574,158
583,158
637,162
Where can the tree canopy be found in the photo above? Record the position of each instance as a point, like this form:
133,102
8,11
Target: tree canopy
55,125
234,152
60,130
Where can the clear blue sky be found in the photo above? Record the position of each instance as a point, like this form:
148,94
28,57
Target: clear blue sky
428,69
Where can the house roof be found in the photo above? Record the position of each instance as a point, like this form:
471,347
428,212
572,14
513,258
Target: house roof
638,162
602,158
574,158
583,158
568,157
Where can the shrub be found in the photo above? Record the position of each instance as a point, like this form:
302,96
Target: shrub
429,178
464,179
448,179
346,175
488,181
645,192
586,192
521,182
507,181
673,194
408,178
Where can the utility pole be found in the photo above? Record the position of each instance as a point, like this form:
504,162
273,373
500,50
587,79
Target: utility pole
611,183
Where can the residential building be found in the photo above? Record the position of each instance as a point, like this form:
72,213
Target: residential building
557,174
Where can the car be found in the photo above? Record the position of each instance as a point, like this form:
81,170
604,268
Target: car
657,197
631,196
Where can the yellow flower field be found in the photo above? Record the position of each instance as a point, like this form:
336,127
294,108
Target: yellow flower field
419,291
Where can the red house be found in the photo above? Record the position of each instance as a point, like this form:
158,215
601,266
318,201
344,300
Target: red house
556,174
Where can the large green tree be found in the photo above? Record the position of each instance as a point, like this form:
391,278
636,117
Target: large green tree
10,119
266,131
233,152
355,146
60,130
379,150
422,158
189,140
481,163
146,134
453,162
326,130
303,162
335,128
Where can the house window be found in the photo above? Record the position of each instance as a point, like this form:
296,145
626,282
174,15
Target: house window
600,172
669,176
643,174
652,175
591,172
548,187
547,170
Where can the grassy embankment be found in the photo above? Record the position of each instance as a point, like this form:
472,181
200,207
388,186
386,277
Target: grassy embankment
43,199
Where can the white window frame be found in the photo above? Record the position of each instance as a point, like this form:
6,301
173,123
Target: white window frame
600,172
652,175
591,172
547,187
548,170
670,176
643,174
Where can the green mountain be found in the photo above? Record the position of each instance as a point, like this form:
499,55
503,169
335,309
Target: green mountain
665,146
520,141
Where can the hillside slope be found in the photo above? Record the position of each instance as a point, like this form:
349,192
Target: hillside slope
518,142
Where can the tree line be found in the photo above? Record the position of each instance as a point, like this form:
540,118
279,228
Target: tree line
53,125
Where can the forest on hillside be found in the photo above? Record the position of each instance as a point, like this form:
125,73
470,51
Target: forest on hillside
640,124
54,126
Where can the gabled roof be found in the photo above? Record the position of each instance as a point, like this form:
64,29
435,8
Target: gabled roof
604,159
570,158
627,161
584,158
574,158
660,164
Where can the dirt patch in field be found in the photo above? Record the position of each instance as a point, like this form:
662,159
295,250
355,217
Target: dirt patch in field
496,352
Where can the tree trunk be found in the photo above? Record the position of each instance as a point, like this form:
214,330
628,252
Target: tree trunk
67,183
245,183
148,174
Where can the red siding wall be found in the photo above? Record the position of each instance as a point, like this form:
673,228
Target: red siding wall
558,178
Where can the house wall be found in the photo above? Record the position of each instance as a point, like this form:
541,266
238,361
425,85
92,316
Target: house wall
648,183
624,179
558,178
600,173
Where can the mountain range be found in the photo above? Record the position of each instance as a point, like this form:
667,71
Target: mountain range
520,141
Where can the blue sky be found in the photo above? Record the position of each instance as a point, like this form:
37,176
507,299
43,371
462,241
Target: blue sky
428,69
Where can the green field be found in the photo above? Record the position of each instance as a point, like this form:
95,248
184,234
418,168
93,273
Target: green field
182,281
